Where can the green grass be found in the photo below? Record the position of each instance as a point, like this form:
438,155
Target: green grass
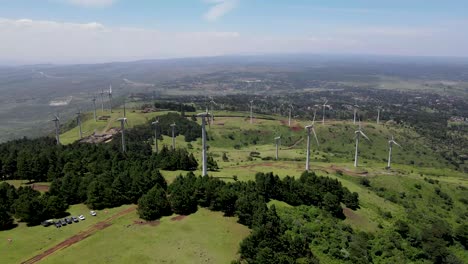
31,241
207,236
203,237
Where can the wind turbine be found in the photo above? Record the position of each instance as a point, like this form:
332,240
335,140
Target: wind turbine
290,110
102,100
94,104
323,116
125,109
56,120
277,141
378,115
123,121
358,135
156,124
355,111
204,156
390,145
110,97
308,129
78,121
251,112
173,135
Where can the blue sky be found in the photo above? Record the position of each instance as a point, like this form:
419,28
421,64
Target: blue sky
107,30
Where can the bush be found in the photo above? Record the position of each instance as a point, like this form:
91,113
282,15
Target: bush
365,182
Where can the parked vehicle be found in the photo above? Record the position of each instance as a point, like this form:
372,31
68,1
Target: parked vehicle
58,224
63,222
93,213
68,220
81,217
74,219
47,223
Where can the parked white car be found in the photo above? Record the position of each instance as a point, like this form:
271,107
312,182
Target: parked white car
93,213
81,217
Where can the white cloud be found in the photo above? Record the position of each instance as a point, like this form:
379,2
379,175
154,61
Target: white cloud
91,3
219,8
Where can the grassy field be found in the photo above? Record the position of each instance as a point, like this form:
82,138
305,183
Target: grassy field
207,237
203,237
30,241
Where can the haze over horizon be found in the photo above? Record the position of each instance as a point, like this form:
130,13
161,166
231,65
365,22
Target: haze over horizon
93,31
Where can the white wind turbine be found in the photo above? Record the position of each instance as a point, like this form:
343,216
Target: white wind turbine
358,134
290,110
390,145
278,142
156,124
110,97
102,100
173,125
204,154
324,106
379,108
56,121
124,109
94,105
310,128
123,121
355,111
78,121
251,112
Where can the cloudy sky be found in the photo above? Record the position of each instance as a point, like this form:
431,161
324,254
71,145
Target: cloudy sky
88,31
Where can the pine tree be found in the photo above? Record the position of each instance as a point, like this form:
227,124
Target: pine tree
154,204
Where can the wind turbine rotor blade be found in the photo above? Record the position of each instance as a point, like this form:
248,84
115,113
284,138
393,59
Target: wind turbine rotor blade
315,136
364,135
394,142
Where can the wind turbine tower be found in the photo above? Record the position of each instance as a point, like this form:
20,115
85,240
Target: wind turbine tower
156,124
125,109
310,128
290,110
390,145
102,100
323,116
278,142
110,98
173,135
355,112
78,121
204,154
123,121
358,133
94,105
378,115
56,120
251,112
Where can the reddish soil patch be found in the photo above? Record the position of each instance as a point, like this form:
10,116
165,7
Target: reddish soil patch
296,128
178,218
40,187
350,214
150,223
80,236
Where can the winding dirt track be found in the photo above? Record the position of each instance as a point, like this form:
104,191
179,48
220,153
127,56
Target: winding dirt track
80,236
